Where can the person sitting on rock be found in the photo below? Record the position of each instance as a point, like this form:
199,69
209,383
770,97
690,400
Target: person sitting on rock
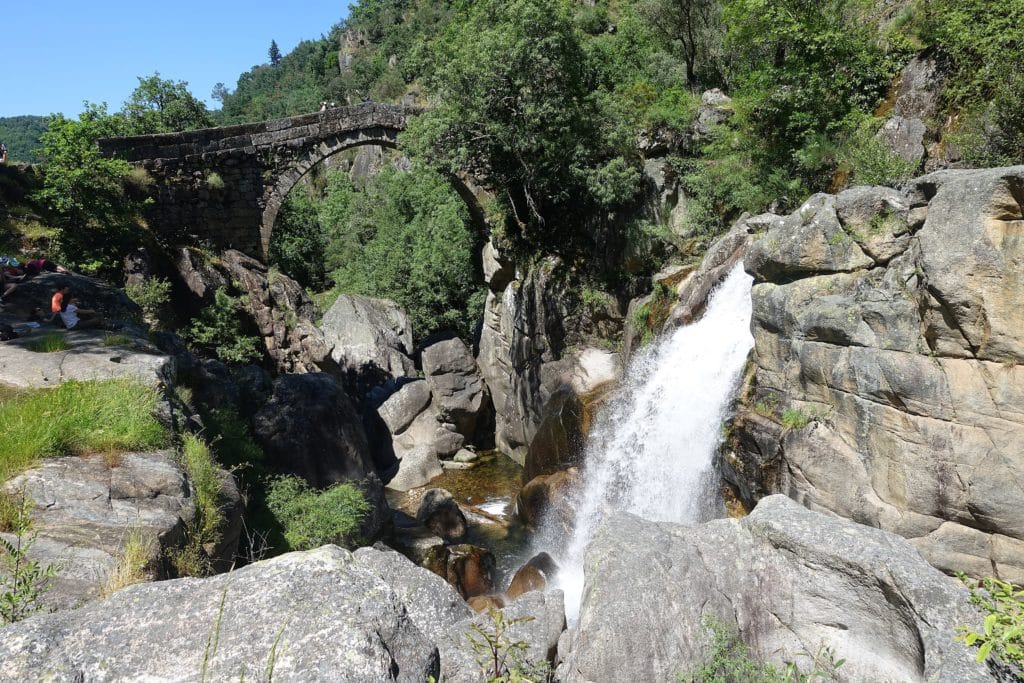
78,318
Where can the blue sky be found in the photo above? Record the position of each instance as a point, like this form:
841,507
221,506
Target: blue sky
56,54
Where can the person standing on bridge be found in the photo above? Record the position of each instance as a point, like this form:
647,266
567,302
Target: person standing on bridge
323,106
3,153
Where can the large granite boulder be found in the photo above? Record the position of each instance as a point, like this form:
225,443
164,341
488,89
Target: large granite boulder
316,615
84,508
325,614
888,333
459,392
792,581
371,339
310,428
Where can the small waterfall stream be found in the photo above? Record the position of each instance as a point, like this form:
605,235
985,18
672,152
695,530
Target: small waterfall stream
651,451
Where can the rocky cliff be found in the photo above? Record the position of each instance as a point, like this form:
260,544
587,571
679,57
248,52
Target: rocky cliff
885,384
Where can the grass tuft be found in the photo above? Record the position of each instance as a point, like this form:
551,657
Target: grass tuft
204,531
48,343
117,340
134,558
98,416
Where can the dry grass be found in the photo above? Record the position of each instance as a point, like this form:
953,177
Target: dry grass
132,565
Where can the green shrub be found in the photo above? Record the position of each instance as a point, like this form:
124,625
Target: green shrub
214,181
204,530
152,295
48,343
219,329
501,658
869,161
794,418
22,580
1002,634
312,518
729,661
77,417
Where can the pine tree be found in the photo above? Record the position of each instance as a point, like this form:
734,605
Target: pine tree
274,52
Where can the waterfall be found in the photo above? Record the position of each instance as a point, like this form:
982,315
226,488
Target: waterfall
651,451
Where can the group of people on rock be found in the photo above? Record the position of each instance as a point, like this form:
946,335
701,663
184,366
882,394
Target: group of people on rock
12,272
65,308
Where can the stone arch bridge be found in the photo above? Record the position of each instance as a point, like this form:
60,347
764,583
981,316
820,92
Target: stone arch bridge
226,185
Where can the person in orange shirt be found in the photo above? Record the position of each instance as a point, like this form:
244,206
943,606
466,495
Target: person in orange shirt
63,305
58,300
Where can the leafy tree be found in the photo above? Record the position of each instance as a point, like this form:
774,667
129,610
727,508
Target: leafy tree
218,329
692,27
274,53
298,242
409,241
220,93
515,105
296,85
85,191
158,105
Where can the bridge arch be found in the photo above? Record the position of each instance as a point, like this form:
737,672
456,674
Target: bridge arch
275,195
226,185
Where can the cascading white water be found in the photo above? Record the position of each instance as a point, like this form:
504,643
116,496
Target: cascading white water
651,452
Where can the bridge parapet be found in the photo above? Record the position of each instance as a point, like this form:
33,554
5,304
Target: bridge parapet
331,122
256,165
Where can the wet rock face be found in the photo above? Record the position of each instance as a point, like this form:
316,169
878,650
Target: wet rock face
888,327
466,567
788,579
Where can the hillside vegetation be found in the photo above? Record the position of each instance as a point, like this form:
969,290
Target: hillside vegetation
21,135
546,103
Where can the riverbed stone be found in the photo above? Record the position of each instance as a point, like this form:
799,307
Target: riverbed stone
790,580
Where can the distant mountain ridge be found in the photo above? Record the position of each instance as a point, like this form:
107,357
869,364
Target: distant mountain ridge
21,135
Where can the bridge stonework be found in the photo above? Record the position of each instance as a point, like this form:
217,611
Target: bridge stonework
226,185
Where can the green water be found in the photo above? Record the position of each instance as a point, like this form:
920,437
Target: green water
491,485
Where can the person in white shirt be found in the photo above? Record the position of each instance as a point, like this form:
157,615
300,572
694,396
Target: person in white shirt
75,318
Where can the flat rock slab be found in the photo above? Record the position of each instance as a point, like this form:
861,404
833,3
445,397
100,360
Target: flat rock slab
85,508
87,358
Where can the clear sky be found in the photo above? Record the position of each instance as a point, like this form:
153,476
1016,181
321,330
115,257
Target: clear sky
55,54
